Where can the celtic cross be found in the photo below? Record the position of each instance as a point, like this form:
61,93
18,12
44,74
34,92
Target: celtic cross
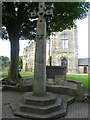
39,82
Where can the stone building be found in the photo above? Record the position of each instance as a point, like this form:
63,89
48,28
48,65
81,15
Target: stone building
29,55
84,65
62,48
65,50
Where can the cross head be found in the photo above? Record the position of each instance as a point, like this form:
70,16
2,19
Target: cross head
41,12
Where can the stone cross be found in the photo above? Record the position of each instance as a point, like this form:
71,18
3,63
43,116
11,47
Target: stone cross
39,82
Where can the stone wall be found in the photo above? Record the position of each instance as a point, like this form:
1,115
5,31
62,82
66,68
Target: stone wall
54,49
70,53
29,55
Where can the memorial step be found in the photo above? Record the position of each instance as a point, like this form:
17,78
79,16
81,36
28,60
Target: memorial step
40,109
43,110
56,114
39,101
70,100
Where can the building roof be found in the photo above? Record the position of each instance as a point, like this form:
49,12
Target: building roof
83,61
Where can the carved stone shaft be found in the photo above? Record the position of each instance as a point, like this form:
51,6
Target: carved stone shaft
39,83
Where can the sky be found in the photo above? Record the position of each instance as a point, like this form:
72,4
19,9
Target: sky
82,26
82,38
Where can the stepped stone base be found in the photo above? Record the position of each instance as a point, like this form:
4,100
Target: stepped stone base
45,107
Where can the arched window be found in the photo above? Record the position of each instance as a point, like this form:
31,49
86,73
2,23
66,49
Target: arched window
64,40
64,62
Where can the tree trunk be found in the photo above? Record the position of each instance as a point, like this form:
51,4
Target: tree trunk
14,66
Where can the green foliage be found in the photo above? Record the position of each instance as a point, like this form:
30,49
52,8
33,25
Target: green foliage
64,14
4,33
83,78
4,59
23,74
18,13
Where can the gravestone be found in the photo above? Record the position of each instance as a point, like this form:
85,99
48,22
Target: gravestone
56,75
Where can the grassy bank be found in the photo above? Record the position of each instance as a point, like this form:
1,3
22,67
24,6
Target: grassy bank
83,78
23,74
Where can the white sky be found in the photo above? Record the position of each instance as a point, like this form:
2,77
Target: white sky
82,38
82,26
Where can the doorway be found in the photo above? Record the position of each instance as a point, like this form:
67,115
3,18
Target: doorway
64,62
85,69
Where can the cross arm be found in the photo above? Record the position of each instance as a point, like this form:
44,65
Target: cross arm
33,15
49,13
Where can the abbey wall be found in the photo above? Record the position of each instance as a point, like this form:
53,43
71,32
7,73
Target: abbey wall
62,47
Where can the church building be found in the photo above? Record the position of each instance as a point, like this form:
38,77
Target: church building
61,49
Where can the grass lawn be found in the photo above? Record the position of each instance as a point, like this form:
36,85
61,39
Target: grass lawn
83,78
23,74
27,74
3,74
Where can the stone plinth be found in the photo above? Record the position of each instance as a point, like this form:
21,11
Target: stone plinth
46,107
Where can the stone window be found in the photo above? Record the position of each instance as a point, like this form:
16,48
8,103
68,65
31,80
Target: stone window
64,40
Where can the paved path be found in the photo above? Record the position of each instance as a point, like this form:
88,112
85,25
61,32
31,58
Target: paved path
75,110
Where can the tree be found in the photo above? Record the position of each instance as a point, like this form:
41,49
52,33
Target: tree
4,33
4,59
16,18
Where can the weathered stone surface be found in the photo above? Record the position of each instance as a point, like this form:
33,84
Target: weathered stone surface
56,74
40,107
56,51
39,82
48,99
